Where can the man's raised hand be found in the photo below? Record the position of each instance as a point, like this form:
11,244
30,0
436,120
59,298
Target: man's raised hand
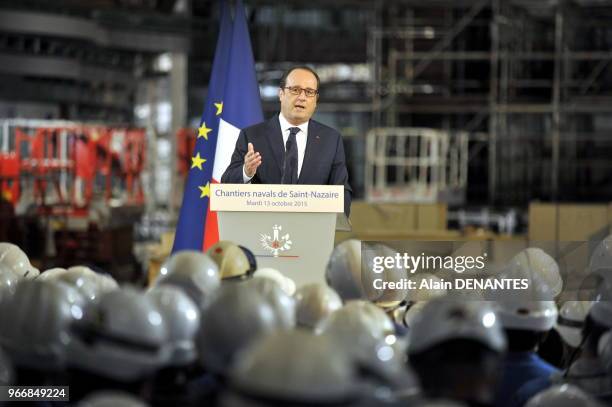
252,160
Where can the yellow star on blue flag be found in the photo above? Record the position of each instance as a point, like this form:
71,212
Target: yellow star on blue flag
203,131
197,161
219,107
205,190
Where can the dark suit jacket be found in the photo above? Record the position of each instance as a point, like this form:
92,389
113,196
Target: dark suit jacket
323,164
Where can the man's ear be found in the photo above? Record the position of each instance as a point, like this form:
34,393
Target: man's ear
280,92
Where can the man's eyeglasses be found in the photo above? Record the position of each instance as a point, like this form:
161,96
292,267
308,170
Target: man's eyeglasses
296,90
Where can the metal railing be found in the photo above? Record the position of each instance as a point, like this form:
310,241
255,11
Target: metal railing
416,165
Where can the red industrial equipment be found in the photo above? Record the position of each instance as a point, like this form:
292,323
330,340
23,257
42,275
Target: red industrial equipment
185,144
63,165
134,155
9,176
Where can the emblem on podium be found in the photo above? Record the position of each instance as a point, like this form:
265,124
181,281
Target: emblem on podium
276,243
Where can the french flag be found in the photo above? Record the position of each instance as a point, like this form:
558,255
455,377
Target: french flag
232,103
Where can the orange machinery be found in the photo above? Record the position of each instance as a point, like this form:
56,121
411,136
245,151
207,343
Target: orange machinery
63,165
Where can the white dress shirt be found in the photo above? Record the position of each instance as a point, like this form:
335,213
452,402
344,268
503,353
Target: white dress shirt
300,138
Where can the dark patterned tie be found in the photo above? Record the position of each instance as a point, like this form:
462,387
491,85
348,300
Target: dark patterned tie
290,165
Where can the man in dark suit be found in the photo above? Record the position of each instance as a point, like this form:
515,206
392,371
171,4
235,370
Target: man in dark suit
290,148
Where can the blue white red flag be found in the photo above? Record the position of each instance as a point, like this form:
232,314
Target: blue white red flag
232,103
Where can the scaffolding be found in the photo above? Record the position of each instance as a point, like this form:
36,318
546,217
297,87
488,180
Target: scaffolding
508,70
416,165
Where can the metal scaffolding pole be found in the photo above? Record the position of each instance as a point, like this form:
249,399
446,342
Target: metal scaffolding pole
556,101
493,116
178,94
448,39
374,50
521,55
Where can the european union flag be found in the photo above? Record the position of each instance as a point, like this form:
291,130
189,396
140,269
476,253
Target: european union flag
232,103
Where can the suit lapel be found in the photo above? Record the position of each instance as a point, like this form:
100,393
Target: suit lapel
275,139
311,150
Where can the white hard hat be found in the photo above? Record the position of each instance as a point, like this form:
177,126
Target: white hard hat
380,358
35,322
515,313
234,318
343,272
287,284
357,318
111,398
604,349
51,274
565,395
603,285
601,312
282,304
352,271
314,303
533,309
288,367
542,271
123,337
13,257
194,272
182,318
86,284
8,281
445,319
601,259
105,283
571,321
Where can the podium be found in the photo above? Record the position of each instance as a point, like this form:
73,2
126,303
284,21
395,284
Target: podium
287,227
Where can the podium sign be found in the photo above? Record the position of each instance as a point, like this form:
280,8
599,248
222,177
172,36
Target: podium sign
287,227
